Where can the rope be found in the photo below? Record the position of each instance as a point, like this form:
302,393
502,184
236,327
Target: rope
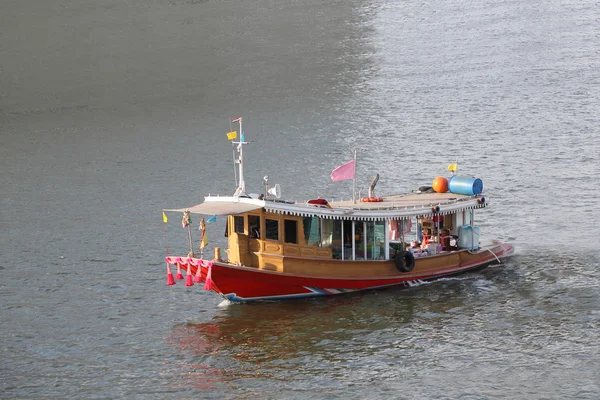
494,254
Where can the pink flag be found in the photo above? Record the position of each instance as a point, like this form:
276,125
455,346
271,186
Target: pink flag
344,172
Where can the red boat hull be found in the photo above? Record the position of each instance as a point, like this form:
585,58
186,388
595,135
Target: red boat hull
243,284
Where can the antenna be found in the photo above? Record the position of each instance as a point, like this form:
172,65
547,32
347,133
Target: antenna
241,189
266,183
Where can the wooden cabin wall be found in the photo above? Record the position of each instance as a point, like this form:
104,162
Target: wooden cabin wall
312,260
268,254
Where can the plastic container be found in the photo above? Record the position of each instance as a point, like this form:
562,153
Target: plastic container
463,185
432,248
468,237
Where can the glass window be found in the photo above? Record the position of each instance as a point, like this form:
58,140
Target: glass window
312,233
332,236
359,241
272,226
290,231
238,224
375,240
254,226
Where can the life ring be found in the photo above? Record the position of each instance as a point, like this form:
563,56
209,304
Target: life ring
405,261
319,202
371,199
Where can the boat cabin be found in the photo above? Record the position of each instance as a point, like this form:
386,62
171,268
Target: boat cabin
282,233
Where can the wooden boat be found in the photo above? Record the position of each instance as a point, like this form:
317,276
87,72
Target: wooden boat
279,249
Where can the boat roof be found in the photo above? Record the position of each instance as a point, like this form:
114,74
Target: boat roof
401,206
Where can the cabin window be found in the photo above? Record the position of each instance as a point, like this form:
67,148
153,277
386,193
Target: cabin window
238,224
359,244
464,218
399,233
312,233
254,226
347,230
398,227
290,231
369,240
449,221
332,236
375,240
272,226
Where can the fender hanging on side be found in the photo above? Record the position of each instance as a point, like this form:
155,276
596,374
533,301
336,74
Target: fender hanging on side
405,261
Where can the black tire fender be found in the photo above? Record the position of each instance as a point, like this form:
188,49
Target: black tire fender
405,261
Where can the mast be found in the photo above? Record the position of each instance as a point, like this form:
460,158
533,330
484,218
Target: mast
241,189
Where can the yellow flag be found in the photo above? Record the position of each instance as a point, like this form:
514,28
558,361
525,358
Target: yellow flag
452,167
165,219
232,135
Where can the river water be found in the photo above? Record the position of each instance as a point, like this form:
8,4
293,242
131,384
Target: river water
111,111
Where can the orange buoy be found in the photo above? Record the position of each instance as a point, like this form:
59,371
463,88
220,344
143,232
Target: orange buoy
440,184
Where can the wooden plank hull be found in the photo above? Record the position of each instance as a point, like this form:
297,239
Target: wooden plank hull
243,284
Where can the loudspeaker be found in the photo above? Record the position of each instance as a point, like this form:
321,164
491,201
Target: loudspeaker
275,191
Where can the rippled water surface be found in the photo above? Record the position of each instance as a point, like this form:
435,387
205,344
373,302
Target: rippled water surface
111,111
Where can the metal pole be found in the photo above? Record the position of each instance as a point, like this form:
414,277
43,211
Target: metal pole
437,227
387,239
242,183
190,238
472,231
403,245
353,240
234,168
354,180
365,240
342,239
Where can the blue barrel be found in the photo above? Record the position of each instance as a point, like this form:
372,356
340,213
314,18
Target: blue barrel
462,185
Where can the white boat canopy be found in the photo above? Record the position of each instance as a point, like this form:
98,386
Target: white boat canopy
391,207
222,207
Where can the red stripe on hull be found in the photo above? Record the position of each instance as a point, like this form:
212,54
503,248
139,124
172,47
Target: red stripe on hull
243,283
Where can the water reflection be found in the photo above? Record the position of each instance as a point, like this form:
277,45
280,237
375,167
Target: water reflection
260,329
326,341
322,330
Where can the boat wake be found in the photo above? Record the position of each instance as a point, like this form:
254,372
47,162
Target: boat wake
484,285
226,303
455,278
